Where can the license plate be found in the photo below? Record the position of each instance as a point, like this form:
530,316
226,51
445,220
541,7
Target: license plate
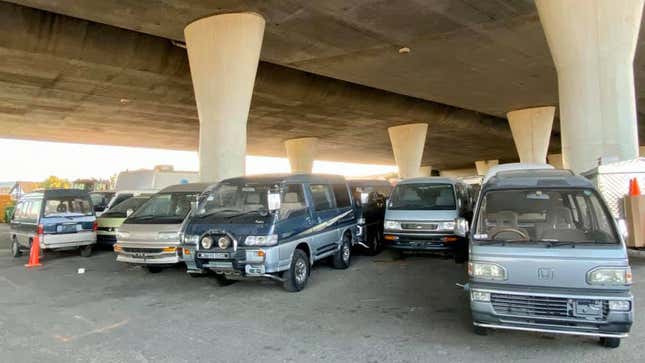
219,264
67,228
213,255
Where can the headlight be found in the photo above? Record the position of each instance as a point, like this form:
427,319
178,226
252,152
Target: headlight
478,295
620,305
191,239
207,242
610,276
120,234
269,240
446,226
168,235
488,271
392,225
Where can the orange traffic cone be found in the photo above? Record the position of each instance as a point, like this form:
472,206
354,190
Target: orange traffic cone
634,189
34,253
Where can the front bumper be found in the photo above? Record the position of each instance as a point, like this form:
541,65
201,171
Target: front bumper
246,262
551,311
148,254
420,241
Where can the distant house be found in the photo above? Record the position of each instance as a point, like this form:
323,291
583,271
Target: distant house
17,189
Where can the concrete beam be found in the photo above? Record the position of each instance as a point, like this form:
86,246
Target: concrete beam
301,153
224,52
531,128
408,142
593,43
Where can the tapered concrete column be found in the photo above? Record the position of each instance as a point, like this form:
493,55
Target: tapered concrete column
531,128
425,170
555,160
301,153
408,142
642,152
593,43
223,52
482,166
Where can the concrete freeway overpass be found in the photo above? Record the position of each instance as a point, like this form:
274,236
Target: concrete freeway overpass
114,72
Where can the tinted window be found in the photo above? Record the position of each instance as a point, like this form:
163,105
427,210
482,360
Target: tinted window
342,197
120,210
164,208
423,197
322,196
65,206
121,198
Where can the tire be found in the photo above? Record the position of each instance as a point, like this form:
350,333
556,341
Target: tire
610,342
374,245
154,269
480,330
86,251
15,248
343,257
296,277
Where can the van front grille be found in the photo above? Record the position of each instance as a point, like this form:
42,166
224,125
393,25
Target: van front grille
541,307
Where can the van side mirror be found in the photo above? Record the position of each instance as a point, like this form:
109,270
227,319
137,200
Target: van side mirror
129,212
622,228
461,227
273,201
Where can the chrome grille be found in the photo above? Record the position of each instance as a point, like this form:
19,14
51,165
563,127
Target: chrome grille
419,226
531,306
142,250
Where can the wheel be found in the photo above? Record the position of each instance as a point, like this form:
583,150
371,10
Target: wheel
154,269
86,251
480,330
15,248
296,277
342,258
610,342
374,245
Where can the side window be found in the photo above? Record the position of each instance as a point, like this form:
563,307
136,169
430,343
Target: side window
322,196
17,214
34,210
293,201
342,197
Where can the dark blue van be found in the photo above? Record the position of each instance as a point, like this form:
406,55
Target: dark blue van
272,226
61,218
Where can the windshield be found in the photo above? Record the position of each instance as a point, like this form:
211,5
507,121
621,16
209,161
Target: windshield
423,197
234,198
66,206
165,208
551,215
120,210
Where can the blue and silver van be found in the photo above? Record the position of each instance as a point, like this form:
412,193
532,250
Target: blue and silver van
61,218
422,213
271,226
546,256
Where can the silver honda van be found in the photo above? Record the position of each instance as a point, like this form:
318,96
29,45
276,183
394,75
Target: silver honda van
422,213
546,256
150,236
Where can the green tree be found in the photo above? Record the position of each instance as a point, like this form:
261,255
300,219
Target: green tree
54,182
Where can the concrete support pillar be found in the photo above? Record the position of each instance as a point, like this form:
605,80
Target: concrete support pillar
223,52
531,128
555,160
425,170
482,166
408,142
642,152
593,43
301,153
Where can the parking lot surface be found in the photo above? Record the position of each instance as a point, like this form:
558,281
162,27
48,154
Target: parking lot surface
382,309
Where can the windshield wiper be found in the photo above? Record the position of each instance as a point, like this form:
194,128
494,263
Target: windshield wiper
145,216
216,211
259,211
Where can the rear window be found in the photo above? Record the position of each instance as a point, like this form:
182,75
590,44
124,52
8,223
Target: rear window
66,206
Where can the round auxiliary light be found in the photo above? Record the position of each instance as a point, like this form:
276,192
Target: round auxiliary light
207,242
223,242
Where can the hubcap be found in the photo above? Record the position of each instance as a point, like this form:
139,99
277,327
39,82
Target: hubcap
346,252
301,271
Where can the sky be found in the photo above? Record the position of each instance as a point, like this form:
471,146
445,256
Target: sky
36,160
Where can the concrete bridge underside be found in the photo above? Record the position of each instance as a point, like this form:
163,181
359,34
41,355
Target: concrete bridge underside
328,70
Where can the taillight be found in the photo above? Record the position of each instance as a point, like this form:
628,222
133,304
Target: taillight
40,229
95,226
